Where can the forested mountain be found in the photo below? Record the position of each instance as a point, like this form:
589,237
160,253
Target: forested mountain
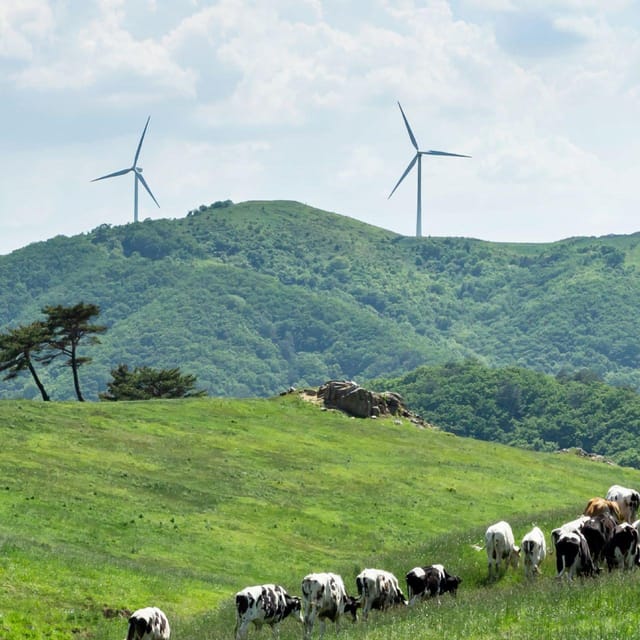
258,296
527,409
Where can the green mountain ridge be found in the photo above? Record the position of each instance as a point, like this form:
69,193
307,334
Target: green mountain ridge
256,297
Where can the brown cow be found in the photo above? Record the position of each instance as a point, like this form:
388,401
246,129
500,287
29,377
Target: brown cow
598,506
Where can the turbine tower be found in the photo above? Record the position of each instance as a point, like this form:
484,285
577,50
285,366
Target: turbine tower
137,172
418,158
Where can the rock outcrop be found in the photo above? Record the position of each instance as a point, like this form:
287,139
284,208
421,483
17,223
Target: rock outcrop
353,399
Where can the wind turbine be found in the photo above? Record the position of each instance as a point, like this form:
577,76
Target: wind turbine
418,158
137,172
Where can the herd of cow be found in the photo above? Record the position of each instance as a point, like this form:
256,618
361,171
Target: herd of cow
607,532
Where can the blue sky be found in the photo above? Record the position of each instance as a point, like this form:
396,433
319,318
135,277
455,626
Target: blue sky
296,100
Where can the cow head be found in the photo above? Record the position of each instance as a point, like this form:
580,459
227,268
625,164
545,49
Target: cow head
514,556
451,584
351,605
294,604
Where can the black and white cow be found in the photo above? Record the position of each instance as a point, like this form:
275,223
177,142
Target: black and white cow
430,581
573,557
324,597
378,589
501,547
263,604
628,500
534,547
598,531
149,623
622,549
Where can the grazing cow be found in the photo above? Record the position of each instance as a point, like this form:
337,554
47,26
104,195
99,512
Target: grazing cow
597,532
263,604
432,581
598,506
534,547
500,546
622,550
572,555
149,623
325,597
628,500
378,589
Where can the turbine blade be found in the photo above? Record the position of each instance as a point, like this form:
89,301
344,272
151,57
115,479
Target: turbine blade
431,152
146,186
112,175
404,175
135,160
406,122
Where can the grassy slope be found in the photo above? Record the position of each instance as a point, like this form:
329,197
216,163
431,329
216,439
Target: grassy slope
183,503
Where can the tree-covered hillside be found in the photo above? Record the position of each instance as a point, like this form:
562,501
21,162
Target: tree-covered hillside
255,297
523,408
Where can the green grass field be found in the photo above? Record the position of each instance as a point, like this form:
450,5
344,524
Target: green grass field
110,506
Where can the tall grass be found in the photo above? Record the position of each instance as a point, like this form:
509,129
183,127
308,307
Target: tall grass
106,507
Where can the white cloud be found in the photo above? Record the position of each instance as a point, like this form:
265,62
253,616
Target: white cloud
296,99
22,24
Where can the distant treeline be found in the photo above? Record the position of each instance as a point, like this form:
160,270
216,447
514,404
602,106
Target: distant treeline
522,408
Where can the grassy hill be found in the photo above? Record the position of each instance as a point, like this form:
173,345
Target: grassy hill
107,506
255,297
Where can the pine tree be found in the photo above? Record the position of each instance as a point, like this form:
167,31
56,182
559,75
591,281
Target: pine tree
69,326
19,348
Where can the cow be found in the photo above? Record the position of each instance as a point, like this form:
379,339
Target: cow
263,604
500,546
432,581
598,506
628,500
597,532
534,547
622,550
149,623
572,555
378,589
324,597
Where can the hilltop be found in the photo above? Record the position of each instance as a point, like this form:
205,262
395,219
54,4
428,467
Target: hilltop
255,297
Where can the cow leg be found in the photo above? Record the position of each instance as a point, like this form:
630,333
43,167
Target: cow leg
241,630
308,624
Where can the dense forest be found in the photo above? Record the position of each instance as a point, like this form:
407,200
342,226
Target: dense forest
255,297
527,409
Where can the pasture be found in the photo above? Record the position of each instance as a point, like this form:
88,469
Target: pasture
112,506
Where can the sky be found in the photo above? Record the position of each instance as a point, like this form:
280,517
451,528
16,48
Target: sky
298,100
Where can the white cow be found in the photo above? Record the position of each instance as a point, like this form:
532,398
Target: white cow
263,604
534,547
324,597
628,500
501,547
149,623
378,589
